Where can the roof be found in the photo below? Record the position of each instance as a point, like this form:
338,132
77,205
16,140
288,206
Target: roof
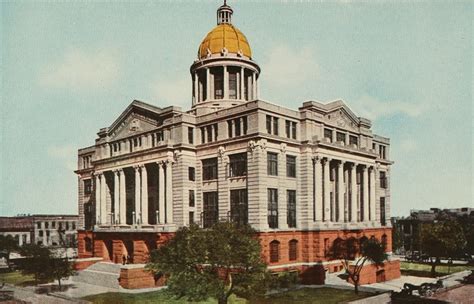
225,36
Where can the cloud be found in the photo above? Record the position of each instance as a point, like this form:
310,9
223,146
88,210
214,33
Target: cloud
372,108
66,154
287,67
176,92
79,69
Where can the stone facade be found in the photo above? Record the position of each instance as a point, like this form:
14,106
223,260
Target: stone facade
305,176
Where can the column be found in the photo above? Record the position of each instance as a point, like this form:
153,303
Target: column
123,197
116,197
195,89
208,84
318,189
97,198
327,191
372,194
161,192
103,200
242,73
20,239
353,193
226,83
144,208
365,192
340,192
169,193
254,86
137,195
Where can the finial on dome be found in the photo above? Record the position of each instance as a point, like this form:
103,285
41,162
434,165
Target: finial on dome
224,14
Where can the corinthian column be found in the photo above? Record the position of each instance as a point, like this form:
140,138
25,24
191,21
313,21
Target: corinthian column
137,195
103,199
144,209
97,198
208,84
327,191
123,198
116,197
226,83
242,96
365,192
169,193
354,193
318,189
372,194
161,192
340,192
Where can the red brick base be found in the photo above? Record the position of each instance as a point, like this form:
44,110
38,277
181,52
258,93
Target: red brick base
311,260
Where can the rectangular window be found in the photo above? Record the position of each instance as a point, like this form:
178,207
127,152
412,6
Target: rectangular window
291,208
211,209
238,164
73,226
38,225
269,124
288,128
273,208
191,217
341,137
53,224
218,86
237,126
239,206
382,211
275,126
41,233
290,166
209,169
191,198
216,131
46,225
272,163
191,174
209,133
328,134
353,140
233,85
191,135
203,135
293,130
383,180
87,186
229,129
244,123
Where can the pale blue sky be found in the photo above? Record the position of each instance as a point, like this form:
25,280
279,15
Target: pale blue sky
69,69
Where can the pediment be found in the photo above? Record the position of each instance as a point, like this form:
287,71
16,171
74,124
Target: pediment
137,118
342,119
132,124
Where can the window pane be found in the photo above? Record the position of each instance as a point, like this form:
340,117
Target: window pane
293,250
238,164
275,126
209,169
218,85
244,121
191,198
341,137
274,251
272,163
229,129
269,124
288,128
239,206
233,85
328,134
191,135
237,126
273,208
291,208
211,211
293,130
290,166
353,140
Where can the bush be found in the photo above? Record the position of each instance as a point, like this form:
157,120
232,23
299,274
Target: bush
284,280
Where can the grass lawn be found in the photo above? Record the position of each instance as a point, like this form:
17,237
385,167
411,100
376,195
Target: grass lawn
17,278
304,295
424,270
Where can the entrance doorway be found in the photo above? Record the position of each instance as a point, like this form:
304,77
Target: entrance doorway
129,248
109,249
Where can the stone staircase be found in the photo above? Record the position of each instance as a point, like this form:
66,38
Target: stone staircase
101,274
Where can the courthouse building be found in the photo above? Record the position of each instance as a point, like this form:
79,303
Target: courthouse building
303,178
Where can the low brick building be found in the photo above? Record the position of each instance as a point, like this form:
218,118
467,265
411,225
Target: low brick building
302,178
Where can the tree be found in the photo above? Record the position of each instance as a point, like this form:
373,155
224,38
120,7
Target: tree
216,262
353,261
7,245
397,240
442,239
44,265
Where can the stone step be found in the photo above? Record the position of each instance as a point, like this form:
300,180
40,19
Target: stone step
100,274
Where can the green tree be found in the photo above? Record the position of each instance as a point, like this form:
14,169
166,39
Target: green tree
216,262
44,265
442,239
353,260
8,244
397,241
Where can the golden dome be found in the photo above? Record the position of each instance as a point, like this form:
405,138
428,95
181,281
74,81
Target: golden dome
225,36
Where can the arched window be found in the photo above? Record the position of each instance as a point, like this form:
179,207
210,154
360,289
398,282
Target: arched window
384,241
88,244
293,250
274,251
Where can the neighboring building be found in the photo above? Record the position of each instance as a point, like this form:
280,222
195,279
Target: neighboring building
302,178
409,228
41,229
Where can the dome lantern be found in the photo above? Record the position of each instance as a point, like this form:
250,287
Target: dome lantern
224,14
